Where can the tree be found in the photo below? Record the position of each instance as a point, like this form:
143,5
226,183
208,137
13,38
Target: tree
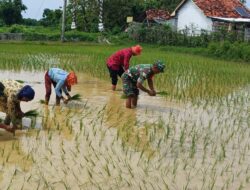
51,17
10,11
85,14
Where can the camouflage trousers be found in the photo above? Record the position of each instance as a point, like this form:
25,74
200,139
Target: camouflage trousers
129,86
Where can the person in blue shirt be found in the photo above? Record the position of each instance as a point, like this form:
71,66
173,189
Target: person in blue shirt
62,81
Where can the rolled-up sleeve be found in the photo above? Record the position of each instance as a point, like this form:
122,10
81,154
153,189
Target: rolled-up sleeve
60,85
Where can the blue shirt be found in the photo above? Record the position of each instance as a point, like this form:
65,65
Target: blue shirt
59,76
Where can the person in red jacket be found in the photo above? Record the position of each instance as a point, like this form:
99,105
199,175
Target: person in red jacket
118,62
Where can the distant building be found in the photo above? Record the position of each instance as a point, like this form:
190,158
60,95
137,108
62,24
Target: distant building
208,15
157,15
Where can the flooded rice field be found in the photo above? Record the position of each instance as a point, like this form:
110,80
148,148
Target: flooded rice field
97,143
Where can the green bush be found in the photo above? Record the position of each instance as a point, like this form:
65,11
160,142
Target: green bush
226,50
16,29
81,36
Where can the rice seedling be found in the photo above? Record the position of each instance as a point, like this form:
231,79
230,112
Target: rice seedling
42,101
76,97
31,113
203,145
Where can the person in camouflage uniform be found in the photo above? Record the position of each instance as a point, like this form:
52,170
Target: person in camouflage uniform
134,77
11,94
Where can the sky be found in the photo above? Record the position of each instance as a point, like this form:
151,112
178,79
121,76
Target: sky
35,9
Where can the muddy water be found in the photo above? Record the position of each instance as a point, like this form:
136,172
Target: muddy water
98,144
96,95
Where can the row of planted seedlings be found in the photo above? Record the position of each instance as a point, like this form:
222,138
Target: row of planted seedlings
106,147
205,146
186,77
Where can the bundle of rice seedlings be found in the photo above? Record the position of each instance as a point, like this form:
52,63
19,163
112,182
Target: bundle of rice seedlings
42,101
162,93
20,81
31,113
76,97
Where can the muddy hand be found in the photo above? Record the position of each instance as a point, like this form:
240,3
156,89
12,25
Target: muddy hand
65,101
151,93
69,97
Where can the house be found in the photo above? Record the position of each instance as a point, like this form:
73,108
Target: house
208,15
157,16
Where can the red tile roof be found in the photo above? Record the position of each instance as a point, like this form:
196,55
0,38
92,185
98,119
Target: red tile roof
157,14
220,8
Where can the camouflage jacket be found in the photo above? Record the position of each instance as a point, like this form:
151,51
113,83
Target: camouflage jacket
140,73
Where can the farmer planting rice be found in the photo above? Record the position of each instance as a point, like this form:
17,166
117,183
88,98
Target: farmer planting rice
119,62
11,94
134,77
62,81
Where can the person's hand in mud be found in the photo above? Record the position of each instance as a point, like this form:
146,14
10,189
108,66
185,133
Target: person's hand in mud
65,101
68,96
151,93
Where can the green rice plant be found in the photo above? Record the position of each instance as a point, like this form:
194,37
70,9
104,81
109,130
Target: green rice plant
31,113
20,81
162,93
42,101
76,97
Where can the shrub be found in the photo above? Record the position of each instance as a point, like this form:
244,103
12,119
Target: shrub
16,29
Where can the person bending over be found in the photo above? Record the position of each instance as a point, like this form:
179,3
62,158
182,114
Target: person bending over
62,81
119,62
133,80
11,94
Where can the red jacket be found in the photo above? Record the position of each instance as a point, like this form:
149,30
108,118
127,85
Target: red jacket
120,59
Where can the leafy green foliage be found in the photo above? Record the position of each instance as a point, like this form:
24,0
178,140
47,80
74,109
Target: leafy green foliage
228,50
51,17
86,12
10,11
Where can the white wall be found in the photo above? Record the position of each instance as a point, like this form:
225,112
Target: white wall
190,15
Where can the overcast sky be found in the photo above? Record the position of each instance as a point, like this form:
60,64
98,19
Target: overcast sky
35,9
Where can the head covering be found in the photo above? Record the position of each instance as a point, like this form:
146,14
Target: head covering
159,65
137,49
71,79
26,92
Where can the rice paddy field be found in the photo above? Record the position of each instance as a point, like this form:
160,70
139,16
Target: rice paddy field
193,135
